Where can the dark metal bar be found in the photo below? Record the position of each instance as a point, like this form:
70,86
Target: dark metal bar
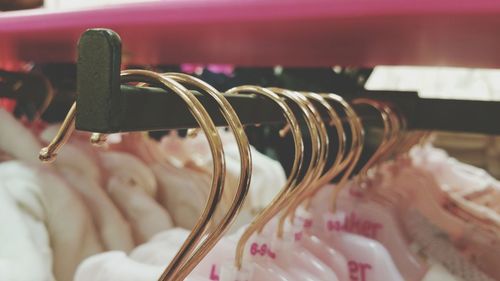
458,115
105,106
156,109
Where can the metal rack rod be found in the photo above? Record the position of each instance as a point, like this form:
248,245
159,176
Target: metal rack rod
104,105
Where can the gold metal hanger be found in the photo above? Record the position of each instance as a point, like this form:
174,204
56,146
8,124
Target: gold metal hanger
244,180
353,154
319,149
389,133
49,153
354,125
311,120
48,99
356,148
330,173
207,125
271,209
348,157
386,138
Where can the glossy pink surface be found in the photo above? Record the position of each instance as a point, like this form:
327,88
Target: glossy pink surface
270,32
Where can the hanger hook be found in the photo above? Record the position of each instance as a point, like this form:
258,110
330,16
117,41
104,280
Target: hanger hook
317,131
215,143
389,132
271,209
245,171
356,148
49,153
335,167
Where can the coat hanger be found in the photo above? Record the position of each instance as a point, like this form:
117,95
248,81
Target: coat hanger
347,156
310,244
301,261
245,172
202,117
182,265
267,213
319,143
334,169
357,143
386,135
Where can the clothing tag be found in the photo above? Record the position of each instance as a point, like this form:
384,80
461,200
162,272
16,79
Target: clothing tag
293,234
281,246
261,247
332,222
303,218
353,222
229,272
214,275
359,271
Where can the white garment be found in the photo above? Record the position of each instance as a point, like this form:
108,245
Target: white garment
183,192
25,252
115,265
161,249
146,262
132,186
46,199
268,176
81,170
193,155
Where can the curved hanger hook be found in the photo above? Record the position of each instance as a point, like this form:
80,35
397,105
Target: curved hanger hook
388,132
48,98
49,153
353,122
311,120
269,211
336,122
403,137
319,148
356,148
351,157
245,172
215,143
334,168
397,138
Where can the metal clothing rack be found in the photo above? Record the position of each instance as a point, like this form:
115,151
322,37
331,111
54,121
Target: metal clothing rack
104,105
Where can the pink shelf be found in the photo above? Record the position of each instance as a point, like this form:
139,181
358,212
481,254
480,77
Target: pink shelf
269,32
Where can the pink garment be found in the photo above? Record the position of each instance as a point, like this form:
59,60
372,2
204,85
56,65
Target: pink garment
328,255
372,220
